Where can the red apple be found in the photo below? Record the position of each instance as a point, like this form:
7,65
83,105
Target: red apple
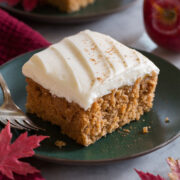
162,22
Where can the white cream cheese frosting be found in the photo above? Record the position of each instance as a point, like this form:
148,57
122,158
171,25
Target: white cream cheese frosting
86,66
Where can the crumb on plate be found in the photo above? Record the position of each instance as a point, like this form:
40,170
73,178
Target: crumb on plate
145,130
60,143
166,120
126,130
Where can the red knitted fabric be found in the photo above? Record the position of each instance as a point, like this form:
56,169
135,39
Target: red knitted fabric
35,176
17,38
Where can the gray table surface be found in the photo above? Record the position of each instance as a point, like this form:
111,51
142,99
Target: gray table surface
127,27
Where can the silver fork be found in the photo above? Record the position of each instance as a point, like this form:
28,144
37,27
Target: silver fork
9,111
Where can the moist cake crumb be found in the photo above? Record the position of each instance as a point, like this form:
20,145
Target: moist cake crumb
60,143
126,130
107,113
145,130
166,120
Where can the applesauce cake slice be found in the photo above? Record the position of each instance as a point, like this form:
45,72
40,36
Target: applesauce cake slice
89,84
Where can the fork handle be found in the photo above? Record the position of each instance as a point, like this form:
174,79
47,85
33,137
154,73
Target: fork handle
5,89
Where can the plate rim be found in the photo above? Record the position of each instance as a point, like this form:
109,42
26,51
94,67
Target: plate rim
62,18
102,161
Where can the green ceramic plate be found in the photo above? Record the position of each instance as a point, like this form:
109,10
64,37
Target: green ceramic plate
118,145
53,15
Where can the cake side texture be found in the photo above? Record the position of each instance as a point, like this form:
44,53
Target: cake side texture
106,114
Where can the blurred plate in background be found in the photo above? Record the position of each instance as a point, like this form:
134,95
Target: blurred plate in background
50,14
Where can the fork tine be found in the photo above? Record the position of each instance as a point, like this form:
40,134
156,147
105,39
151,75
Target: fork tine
32,125
16,127
12,112
16,123
5,121
24,126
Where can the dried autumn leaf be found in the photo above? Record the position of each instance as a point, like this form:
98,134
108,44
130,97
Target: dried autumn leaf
11,153
175,168
148,176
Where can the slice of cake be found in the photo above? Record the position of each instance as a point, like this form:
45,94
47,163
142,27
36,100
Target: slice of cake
89,84
70,5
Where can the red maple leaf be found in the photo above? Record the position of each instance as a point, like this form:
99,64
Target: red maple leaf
175,168
11,153
148,176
